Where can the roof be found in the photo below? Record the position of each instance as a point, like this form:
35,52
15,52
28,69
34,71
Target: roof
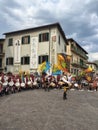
92,63
2,39
72,40
40,27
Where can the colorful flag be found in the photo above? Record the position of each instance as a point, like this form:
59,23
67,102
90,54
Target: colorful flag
47,67
56,70
44,67
62,63
88,70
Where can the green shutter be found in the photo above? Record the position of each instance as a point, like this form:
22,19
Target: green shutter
22,39
12,61
21,60
6,61
28,39
47,36
39,37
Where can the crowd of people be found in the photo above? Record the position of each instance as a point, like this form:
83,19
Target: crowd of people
12,83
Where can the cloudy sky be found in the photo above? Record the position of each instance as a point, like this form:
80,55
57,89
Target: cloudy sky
78,18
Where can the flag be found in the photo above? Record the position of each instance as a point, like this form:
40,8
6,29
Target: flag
47,67
88,70
62,63
44,67
88,78
60,58
56,70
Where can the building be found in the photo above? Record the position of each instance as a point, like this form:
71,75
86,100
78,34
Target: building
93,65
26,49
2,55
78,56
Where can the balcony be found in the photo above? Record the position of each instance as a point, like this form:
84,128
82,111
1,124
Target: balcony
79,65
84,66
78,52
75,64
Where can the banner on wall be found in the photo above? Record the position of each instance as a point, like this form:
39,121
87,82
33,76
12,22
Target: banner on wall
17,50
34,54
54,38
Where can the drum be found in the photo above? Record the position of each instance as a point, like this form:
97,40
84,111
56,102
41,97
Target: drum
35,83
29,83
23,85
52,84
17,84
60,83
76,85
5,83
11,83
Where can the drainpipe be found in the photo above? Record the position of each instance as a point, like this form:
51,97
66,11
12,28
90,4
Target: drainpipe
49,44
50,50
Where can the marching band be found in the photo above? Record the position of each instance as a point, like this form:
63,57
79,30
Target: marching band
10,83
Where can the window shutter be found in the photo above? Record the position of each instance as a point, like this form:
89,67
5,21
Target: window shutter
12,61
39,59
39,37
28,39
22,39
22,60
6,61
47,36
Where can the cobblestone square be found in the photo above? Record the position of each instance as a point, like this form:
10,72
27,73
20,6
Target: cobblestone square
40,110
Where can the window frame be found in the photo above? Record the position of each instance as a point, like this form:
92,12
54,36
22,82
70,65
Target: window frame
25,61
25,40
10,42
9,61
43,58
44,37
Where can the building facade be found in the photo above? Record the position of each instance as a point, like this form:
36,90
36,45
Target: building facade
78,57
26,49
94,66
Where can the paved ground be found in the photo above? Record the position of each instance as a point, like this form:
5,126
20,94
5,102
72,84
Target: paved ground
40,110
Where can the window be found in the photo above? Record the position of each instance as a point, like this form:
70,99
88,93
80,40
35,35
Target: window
74,71
9,61
81,62
71,70
25,60
43,37
41,59
26,40
10,42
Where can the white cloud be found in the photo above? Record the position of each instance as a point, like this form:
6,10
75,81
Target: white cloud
94,19
78,18
93,56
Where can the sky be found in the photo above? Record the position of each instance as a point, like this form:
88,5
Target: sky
78,19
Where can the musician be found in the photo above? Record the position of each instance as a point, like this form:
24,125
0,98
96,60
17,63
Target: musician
1,89
26,81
